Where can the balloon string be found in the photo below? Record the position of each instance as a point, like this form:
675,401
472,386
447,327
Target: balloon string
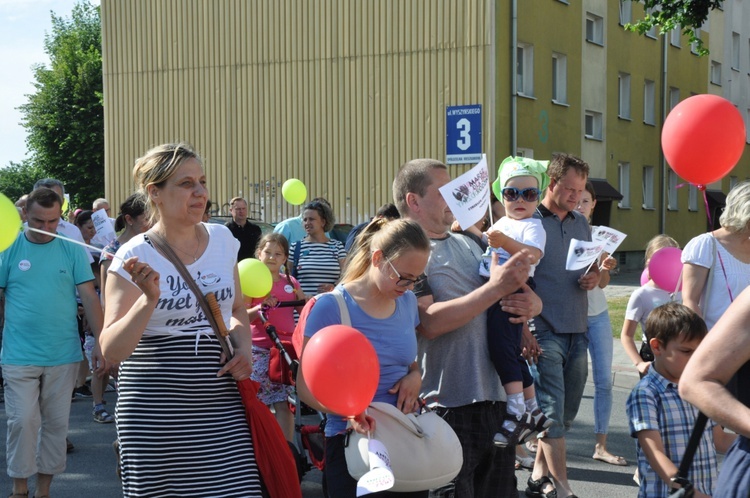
61,237
708,211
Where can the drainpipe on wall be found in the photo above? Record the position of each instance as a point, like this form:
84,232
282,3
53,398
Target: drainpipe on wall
490,108
664,168
513,89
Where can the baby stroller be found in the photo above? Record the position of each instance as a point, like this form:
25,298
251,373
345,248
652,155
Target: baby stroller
309,439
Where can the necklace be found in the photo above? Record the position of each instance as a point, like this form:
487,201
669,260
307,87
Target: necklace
197,248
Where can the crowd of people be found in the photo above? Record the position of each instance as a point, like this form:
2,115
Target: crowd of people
484,324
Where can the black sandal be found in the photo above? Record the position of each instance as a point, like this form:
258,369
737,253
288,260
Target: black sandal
535,488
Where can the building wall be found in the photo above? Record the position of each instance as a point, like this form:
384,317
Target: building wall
338,94
632,140
546,127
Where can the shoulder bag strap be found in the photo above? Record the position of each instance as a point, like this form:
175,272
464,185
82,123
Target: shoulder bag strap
343,309
167,251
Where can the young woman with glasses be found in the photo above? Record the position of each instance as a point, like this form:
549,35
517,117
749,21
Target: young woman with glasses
377,289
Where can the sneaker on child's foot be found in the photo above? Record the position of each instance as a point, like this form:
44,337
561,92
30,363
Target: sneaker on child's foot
102,416
510,436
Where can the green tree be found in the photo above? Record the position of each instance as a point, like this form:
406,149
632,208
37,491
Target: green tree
17,179
64,118
667,14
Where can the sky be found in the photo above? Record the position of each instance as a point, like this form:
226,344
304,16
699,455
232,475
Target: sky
23,24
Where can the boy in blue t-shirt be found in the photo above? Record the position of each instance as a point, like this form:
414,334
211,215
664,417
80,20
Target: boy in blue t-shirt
660,420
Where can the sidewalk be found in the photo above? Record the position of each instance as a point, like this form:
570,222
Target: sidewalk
624,374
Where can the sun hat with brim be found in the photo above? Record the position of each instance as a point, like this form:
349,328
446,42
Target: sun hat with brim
520,166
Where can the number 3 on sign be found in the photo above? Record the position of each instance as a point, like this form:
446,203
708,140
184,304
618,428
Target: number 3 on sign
464,127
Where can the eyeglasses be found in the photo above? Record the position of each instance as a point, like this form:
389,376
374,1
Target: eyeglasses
403,282
511,194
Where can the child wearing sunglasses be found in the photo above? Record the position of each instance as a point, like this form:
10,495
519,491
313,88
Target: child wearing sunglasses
519,184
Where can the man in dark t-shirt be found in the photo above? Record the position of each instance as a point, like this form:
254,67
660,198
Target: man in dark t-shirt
247,233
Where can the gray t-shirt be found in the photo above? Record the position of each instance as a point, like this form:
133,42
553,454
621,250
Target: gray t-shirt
456,367
566,305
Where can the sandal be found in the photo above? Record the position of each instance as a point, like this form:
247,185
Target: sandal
504,437
535,489
610,459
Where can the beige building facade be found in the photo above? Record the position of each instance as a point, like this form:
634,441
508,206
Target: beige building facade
340,93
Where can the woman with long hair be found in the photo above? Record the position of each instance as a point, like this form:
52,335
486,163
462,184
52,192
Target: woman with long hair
377,289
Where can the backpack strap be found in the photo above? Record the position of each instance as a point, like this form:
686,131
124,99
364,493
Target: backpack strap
343,309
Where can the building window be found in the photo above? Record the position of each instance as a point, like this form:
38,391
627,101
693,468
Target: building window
593,125
736,51
672,179
559,78
716,73
524,152
733,180
694,45
525,70
674,97
648,102
648,187
693,198
594,29
675,35
623,175
624,93
626,12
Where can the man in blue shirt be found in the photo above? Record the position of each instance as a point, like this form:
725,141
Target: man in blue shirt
41,349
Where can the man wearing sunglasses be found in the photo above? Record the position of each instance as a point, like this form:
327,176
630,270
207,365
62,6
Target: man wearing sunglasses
561,327
458,378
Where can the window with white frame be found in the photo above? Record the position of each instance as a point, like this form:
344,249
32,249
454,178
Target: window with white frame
525,69
525,152
648,187
651,33
594,29
716,72
626,12
733,180
649,111
623,176
675,36
559,78
693,198
624,96
593,125
674,97
672,180
736,51
694,45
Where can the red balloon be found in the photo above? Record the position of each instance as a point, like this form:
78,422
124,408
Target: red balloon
665,267
341,369
703,138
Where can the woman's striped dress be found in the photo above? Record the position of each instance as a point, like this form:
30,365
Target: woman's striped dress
182,430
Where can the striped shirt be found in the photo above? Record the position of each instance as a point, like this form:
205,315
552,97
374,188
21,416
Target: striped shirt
318,263
655,404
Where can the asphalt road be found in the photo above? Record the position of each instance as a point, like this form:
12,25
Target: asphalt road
91,465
